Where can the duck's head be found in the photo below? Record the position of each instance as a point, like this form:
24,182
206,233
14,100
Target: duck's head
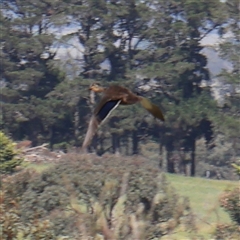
96,87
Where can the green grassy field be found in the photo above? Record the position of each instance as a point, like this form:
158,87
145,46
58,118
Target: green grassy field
38,167
204,200
203,195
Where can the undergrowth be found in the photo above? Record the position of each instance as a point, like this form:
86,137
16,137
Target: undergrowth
99,198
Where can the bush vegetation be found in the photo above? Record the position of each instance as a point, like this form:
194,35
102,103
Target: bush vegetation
107,198
9,158
12,226
230,201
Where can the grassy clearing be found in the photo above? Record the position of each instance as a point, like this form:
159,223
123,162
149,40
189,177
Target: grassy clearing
38,167
203,195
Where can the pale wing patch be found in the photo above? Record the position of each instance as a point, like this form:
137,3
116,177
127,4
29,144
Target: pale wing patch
94,124
92,128
110,111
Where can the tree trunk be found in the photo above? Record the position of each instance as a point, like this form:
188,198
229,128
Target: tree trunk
116,144
193,163
134,142
127,146
183,162
170,157
51,141
163,159
160,155
32,131
101,143
170,162
76,125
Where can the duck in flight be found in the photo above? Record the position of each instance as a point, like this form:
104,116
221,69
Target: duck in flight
112,97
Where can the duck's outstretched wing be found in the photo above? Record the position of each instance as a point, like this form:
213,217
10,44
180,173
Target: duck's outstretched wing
105,108
152,108
102,111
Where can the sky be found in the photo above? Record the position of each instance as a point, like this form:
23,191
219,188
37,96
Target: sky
74,50
210,42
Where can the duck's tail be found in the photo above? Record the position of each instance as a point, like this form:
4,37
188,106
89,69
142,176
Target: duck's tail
152,108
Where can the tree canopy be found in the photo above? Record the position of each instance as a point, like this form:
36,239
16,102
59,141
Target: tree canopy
153,47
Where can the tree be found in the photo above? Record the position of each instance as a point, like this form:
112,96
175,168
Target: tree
229,124
28,71
160,42
154,46
9,158
173,60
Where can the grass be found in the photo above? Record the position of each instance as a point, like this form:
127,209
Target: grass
203,195
38,167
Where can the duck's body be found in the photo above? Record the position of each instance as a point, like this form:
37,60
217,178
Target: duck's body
116,92
112,97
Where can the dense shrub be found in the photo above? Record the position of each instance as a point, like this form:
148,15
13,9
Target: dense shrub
17,184
108,196
227,231
12,226
230,201
236,168
8,155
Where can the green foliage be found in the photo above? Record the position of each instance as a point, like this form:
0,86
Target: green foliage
218,159
230,51
29,71
138,43
237,168
203,195
9,158
17,184
104,197
227,231
111,219
12,226
230,202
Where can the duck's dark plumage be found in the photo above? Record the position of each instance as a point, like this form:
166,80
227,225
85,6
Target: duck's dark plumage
112,97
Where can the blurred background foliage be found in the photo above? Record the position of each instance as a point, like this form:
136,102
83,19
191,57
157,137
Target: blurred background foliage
79,199
115,198
52,50
9,156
